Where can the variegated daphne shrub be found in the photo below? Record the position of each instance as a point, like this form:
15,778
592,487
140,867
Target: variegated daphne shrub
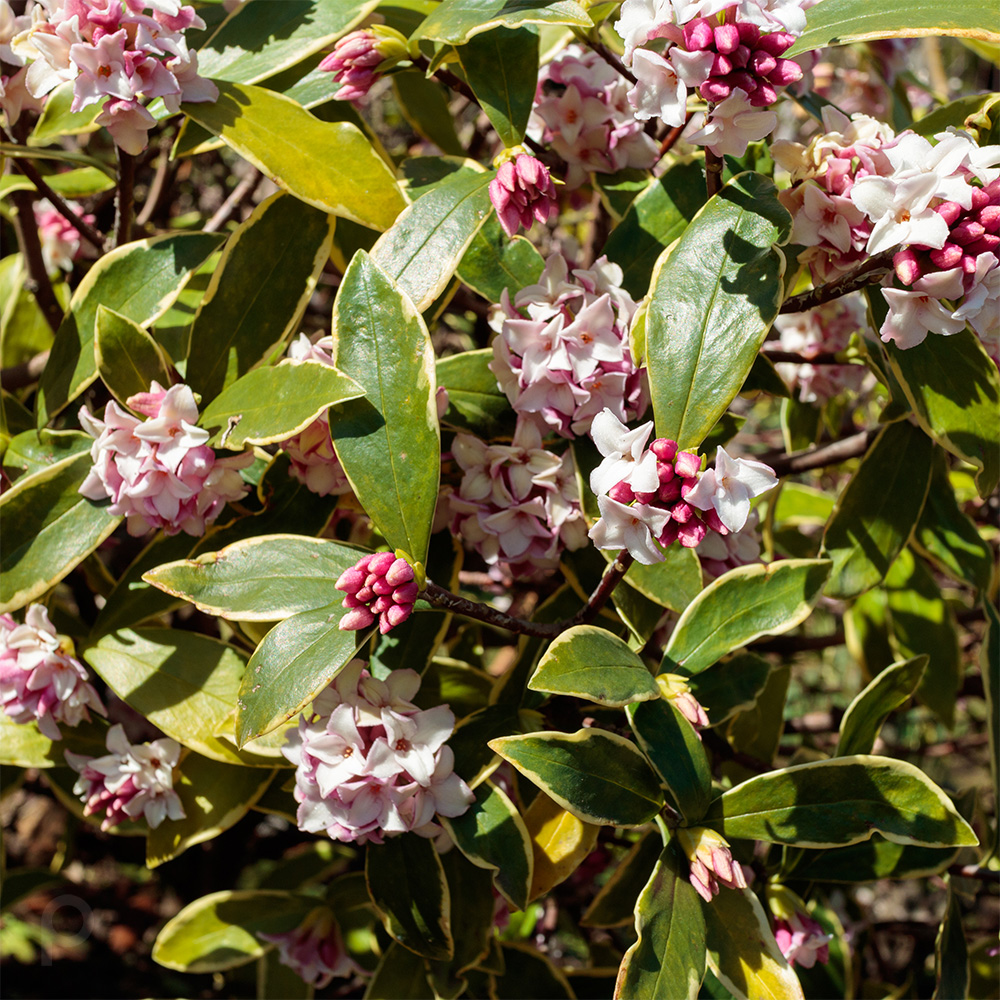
522,478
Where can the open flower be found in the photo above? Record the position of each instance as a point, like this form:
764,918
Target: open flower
728,488
800,937
315,949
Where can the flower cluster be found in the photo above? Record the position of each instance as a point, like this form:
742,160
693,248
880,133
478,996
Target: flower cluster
370,764
114,52
827,329
379,587
517,505
522,192
674,688
582,111
730,53
132,780
315,949
658,494
562,351
711,861
361,57
14,96
159,472
800,937
60,239
40,679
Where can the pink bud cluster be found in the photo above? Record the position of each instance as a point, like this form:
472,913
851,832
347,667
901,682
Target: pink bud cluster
40,680
581,110
116,54
360,57
132,780
159,472
522,192
562,351
60,239
517,505
315,949
380,587
711,861
370,764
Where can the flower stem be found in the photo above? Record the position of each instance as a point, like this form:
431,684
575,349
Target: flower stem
713,172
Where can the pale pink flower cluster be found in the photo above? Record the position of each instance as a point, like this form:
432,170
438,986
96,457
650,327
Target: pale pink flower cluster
582,111
132,780
40,679
14,96
802,941
517,505
314,463
370,764
720,553
116,54
652,497
60,239
315,949
562,351
361,57
730,53
827,329
523,192
711,861
159,472
380,587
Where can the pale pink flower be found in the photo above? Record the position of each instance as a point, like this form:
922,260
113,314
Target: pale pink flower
625,456
720,553
59,237
634,527
729,487
315,949
733,125
674,688
128,122
799,936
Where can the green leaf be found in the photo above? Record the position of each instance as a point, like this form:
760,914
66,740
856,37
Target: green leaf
408,887
730,687
297,659
329,165
424,104
614,904
668,956
49,529
741,606
951,953
864,716
839,22
492,835
871,860
268,405
475,402
23,745
493,262
501,66
182,682
426,243
954,389
24,331
589,662
32,450
389,443
742,952
673,583
841,801
84,182
713,298
56,119
456,21
219,931
656,218
128,359
674,748
214,796
138,280
258,42
597,776
470,889
258,292
989,663
878,510
401,974
262,579
470,741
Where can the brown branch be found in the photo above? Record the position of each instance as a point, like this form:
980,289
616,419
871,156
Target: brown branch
826,358
37,281
713,172
867,273
610,58
973,871
798,643
26,373
670,139
161,182
229,207
123,200
827,454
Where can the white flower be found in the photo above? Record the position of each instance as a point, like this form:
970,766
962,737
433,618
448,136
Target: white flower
913,314
733,124
729,487
625,459
899,207
630,527
658,91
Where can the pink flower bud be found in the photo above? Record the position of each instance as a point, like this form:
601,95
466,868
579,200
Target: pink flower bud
399,572
396,615
351,580
697,35
381,562
907,266
407,593
687,465
621,492
727,37
664,449
786,71
379,597
357,618
521,192
775,42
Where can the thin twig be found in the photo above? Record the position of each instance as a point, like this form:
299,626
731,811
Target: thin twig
228,208
867,273
161,182
609,57
787,644
37,281
827,454
123,201
670,139
713,172
828,358
973,871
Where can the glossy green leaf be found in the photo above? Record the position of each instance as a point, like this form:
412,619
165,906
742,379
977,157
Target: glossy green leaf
742,952
408,887
673,583
713,298
269,404
731,686
138,280
84,182
219,931
401,974
597,776
840,22
57,120
954,389
863,719
456,21
873,859
23,745
878,510
258,292
741,606
620,189
473,905
214,796
491,834
24,331
841,801
426,243
951,953
261,579
674,748
297,659
128,359
589,662
656,218
389,442
475,402
329,165
424,104
183,682
989,662
48,528
493,262
33,450
668,956
501,67
258,42
470,741
614,904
